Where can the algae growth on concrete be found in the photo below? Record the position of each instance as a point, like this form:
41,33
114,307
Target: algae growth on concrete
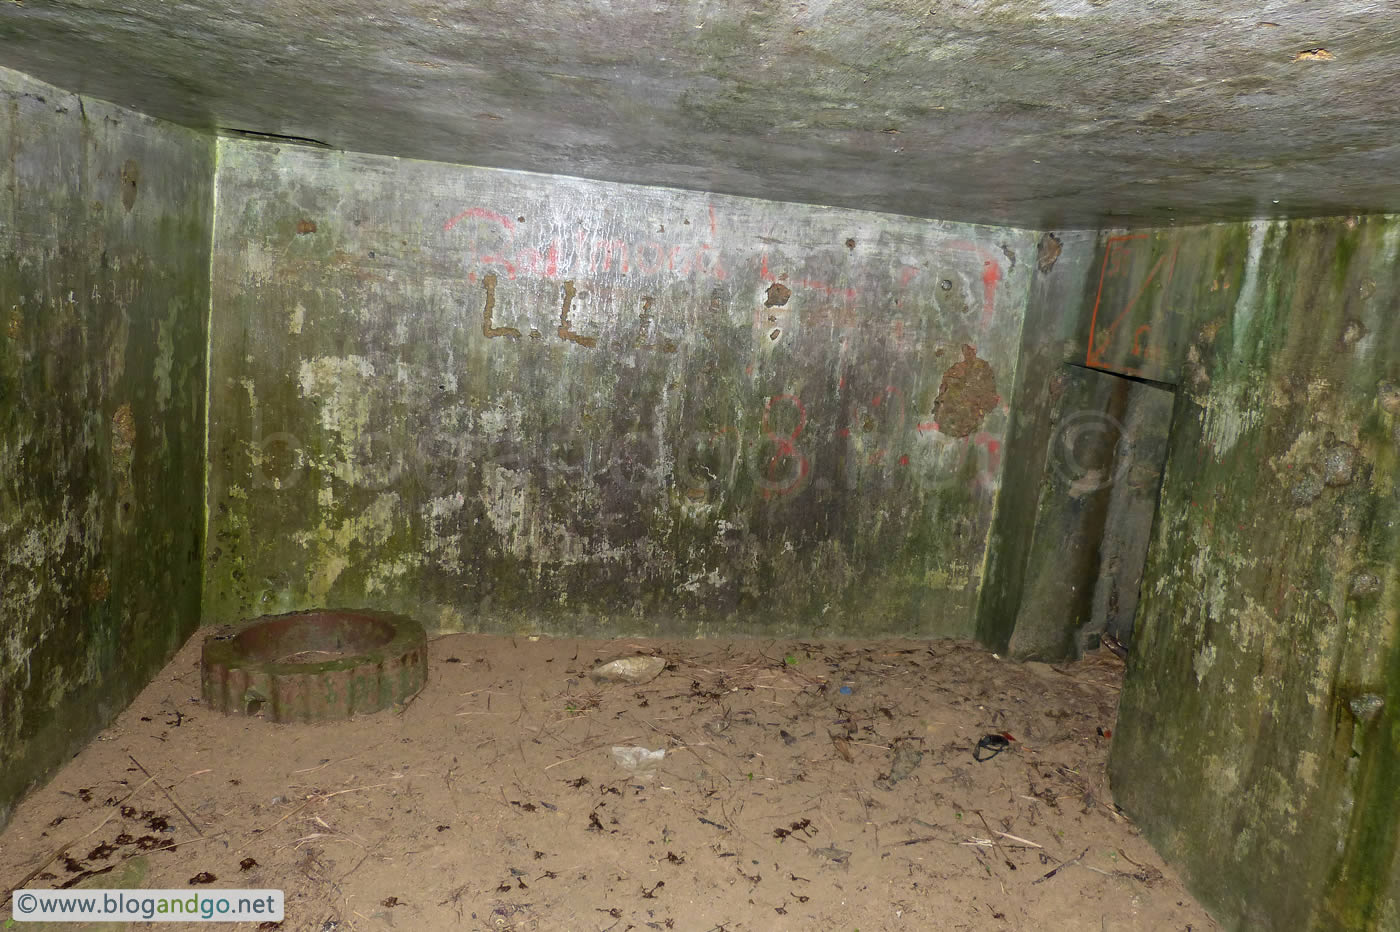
1256,742
498,401
105,220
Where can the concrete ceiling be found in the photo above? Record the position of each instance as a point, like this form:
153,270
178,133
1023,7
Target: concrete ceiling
1038,113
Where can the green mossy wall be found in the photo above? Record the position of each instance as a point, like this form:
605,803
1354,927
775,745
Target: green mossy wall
1259,736
105,226
500,401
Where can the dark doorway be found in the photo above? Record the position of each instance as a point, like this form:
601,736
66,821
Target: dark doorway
1094,513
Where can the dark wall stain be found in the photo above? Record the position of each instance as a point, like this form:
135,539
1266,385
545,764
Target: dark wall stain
131,180
1047,252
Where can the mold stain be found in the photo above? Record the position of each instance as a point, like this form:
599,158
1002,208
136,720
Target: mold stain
1228,415
123,446
106,412
334,544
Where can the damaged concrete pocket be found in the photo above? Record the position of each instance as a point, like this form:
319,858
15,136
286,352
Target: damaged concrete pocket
967,394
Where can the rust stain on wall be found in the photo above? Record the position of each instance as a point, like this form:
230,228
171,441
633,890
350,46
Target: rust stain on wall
131,178
565,332
488,281
123,434
1047,252
968,392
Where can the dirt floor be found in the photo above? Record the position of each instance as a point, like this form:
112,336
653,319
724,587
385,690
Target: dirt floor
804,786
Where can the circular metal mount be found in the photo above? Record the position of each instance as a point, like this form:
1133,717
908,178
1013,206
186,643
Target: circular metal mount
316,666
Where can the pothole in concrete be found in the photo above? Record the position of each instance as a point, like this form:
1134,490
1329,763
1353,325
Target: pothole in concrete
314,666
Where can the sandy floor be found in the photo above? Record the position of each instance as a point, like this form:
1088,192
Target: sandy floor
805,786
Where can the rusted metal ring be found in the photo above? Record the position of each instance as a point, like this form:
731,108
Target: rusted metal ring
315,666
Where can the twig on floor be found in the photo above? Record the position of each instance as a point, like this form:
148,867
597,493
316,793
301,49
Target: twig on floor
325,765
314,835
197,773
353,789
322,797
1061,867
178,808
411,699
996,844
173,844
1022,841
1128,859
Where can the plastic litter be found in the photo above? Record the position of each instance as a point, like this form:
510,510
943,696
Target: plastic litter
638,760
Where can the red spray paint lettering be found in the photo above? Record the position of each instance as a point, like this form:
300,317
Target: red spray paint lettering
497,243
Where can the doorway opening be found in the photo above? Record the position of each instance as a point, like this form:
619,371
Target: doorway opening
1094,514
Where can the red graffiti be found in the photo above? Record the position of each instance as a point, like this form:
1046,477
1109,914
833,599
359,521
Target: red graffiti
786,448
591,254
893,394
777,481
483,213
993,447
904,340
824,288
991,274
1117,264
1137,338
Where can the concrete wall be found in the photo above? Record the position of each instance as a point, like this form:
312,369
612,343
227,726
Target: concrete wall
502,401
105,220
1259,737
1063,275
